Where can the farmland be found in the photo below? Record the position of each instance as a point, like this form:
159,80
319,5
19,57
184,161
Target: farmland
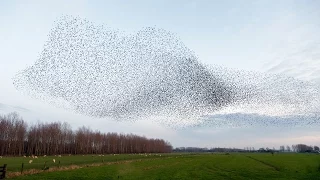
170,166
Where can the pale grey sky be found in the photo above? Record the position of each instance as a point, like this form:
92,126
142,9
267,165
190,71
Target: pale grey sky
257,35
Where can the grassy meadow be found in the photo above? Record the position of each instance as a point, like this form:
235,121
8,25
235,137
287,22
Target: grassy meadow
235,166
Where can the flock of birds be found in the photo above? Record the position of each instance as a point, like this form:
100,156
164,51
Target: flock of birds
101,72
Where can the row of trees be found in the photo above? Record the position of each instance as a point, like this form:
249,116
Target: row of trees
17,138
299,148
198,149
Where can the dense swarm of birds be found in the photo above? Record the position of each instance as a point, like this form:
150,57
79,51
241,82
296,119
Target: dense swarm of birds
101,72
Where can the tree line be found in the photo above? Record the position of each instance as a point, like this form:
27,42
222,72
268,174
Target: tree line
216,149
299,148
17,139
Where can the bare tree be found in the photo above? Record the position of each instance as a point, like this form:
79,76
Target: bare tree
288,149
58,138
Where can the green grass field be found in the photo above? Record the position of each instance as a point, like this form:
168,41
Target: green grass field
178,166
15,163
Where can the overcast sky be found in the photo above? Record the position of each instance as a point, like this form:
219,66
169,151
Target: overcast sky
266,36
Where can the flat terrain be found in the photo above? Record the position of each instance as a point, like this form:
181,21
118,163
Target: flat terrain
172,166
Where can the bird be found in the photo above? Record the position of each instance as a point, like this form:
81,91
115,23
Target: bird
103,73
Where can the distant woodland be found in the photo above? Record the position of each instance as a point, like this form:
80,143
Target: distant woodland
17,138
297,148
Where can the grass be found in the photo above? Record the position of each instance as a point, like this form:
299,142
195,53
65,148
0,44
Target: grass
235,166
15,163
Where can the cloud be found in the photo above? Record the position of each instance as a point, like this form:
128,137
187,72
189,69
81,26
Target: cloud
239,120
296,50
304,139
8,108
